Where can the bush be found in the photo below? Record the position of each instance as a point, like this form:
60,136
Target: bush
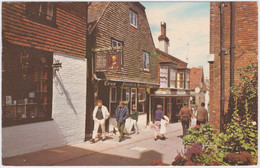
243,158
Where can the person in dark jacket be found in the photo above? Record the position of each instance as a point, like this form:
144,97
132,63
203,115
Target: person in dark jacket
185,116
202,115
134,118
121,115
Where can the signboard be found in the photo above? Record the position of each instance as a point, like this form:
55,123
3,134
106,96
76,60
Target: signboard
108,60
101,61
163,92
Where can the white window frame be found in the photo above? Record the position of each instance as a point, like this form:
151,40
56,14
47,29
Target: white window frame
133,18
146,56
118,44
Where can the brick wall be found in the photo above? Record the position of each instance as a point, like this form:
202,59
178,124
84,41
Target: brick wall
246,46
68,37
115,23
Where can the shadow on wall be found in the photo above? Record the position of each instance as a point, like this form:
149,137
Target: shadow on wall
31,137
74,156
62,90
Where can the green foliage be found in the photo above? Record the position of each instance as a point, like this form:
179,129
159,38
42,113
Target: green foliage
205,135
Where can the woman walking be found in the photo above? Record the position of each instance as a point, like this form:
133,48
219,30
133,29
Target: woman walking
157,121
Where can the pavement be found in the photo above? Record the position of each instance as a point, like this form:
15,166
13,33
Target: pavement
133,150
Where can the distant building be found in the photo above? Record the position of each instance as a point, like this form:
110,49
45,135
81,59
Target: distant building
174,78
198,87
240,28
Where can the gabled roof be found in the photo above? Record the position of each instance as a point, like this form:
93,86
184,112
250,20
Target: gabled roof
196,77
168,55
95,11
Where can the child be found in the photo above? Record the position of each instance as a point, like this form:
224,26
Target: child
135,118
164,122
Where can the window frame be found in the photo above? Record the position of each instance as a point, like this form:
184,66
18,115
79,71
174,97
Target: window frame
133,16
144,54
179,81
127,90
33,13
122,44
110,93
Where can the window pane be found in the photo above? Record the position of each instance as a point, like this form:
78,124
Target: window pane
113,94
141,94
125,94
172,78
164,77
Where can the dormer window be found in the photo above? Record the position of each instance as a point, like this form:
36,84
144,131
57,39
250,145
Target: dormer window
133,18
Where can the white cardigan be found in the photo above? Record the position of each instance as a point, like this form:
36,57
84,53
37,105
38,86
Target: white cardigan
164,123
104,112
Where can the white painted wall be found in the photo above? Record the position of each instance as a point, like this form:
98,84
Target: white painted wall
68,113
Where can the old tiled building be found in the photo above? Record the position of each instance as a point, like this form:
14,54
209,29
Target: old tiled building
240,42
43,107
129,72
174,79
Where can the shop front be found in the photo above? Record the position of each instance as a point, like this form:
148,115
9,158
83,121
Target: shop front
111,92
172,101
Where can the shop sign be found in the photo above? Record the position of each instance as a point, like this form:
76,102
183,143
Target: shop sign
192,92
109,83
163,92
181,92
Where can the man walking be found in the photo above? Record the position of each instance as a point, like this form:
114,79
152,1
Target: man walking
121,115
185,116
202,115
100,114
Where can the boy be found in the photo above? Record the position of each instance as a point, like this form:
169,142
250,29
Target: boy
135,118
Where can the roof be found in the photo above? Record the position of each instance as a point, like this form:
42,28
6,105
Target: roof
168,55
95,11
196,77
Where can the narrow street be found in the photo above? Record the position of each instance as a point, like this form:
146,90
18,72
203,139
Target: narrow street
135,150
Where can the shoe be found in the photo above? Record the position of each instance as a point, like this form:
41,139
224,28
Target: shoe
155,139
92,140
163,138
120,140
103,139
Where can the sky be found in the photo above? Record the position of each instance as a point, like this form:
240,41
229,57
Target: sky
187,27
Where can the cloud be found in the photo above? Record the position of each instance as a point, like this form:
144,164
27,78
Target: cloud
187,23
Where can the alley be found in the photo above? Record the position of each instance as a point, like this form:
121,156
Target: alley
135,150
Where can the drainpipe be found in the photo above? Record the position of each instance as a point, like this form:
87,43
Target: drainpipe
232,41
222,64
90,81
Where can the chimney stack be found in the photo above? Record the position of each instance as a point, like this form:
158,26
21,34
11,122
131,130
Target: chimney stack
163,39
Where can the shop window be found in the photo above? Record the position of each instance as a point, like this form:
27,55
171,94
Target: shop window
146,61
27,85
113,94
125,94
116,43
172,78
133,18
187,85
43,12
133,97
163,76
141,100
180,80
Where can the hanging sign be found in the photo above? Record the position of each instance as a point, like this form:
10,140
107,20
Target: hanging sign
108,60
